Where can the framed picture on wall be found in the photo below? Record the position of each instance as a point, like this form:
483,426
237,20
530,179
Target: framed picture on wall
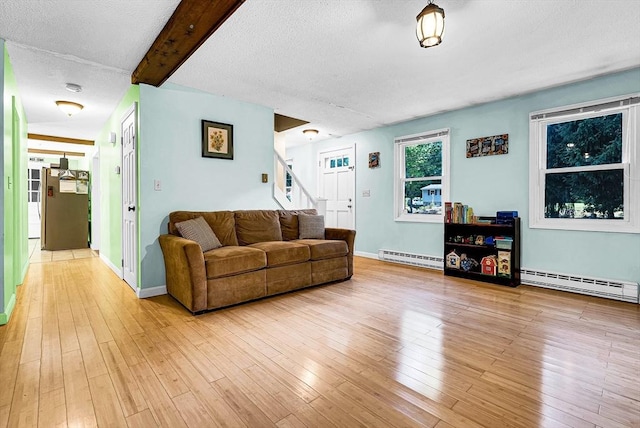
374,160
217,140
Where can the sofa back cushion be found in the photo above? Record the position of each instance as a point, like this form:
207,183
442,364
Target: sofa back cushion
254,226
221,222
289,222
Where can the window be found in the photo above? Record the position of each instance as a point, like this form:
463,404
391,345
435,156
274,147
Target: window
33,185
584,163
421,176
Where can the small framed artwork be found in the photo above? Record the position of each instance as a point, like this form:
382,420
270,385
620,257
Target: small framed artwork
217,140
488,146
374,160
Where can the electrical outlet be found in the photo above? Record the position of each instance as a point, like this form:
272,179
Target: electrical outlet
156,185
366,193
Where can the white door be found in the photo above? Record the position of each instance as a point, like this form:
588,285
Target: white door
336,182
129,199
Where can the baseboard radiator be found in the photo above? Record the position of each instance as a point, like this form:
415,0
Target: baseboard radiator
611,289
431,262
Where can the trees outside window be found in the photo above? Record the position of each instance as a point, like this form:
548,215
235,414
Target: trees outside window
421,176
583,163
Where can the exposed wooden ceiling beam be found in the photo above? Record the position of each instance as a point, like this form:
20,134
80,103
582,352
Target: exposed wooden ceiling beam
55,152
282,122
60,139
190,26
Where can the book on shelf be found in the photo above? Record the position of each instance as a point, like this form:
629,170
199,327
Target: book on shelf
457,212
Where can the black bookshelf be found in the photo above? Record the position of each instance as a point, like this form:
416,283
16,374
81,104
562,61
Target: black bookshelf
462,240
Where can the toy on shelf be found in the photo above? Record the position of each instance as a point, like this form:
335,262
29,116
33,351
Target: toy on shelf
453,260
489,265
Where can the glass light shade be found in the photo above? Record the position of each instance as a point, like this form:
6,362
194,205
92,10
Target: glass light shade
70,108
310,133
430,26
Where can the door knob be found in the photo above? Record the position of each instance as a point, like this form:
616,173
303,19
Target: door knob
132,208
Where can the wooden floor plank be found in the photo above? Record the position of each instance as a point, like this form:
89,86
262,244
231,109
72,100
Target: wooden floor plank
80,410
106,404
52,409
24,406
395,346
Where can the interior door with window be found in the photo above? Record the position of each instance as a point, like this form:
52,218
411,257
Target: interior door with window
336,184
129,199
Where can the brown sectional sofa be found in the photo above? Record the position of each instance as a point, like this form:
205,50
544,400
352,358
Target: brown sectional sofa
261,255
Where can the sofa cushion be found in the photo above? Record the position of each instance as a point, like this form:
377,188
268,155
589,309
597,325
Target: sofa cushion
221,222
280,253
232,260
311,226
325,249
257,226
289,222
199,231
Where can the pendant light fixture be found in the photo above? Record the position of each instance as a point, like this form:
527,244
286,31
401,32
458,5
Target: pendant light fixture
69,107
430,25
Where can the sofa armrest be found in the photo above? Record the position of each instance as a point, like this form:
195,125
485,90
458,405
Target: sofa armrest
347,235
185,271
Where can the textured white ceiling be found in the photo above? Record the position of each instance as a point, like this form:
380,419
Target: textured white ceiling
343,65
96,44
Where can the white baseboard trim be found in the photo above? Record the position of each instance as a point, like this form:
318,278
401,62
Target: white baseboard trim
365,254
143,293
114,268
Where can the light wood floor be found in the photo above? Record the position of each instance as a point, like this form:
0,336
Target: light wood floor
393,347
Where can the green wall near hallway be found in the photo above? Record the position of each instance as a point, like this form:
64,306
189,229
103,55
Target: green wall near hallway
13,197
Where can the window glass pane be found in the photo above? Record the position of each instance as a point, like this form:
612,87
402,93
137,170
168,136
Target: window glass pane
345,161
339,162
35,185
333,163
423,160
592,194
35,173
593,141
423,197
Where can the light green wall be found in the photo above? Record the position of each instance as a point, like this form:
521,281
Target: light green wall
487,184
13,195
111,182
170,151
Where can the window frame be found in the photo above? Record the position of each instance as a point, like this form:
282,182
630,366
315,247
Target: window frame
629,106
439,135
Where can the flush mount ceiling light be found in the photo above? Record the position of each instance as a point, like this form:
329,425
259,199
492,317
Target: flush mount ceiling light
69,107
310,133
72,87
430,25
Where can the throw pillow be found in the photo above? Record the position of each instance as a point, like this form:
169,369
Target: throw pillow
198,230
311,226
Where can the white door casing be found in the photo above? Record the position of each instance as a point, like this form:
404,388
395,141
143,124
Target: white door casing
95,202
336,184
129,198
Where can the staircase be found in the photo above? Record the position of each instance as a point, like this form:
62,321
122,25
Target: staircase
289,192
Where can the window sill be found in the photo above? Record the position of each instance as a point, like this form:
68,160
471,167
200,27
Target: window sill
607,226
420,218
